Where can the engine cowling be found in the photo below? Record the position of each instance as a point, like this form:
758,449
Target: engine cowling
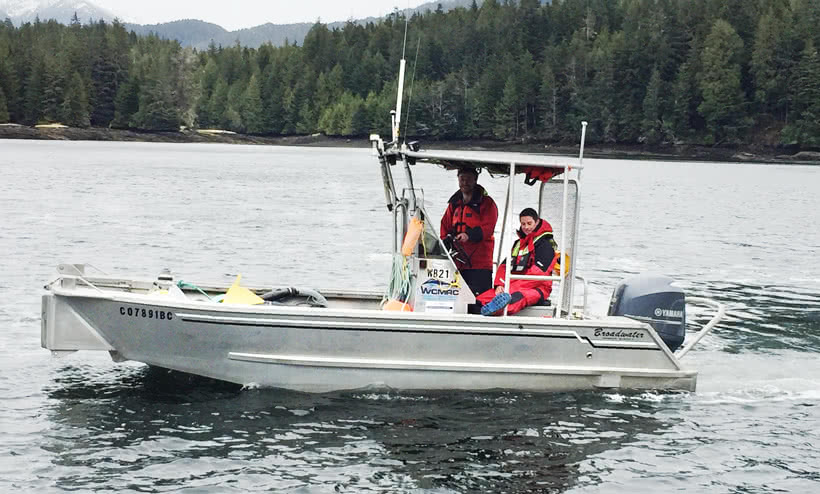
653,299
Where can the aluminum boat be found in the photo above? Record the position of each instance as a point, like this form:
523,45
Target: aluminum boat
319,341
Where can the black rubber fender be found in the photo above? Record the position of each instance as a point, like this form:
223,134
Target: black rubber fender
311,296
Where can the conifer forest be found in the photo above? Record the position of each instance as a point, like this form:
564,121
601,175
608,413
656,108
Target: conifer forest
709,72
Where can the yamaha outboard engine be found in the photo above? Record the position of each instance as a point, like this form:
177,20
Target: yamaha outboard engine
653,299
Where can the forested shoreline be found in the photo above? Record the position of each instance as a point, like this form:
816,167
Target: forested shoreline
737,73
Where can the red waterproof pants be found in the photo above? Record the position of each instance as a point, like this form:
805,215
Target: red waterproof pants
520,298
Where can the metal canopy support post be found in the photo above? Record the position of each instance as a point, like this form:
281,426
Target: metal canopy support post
571,274
503,229
509,217
392,200
409,176
562,285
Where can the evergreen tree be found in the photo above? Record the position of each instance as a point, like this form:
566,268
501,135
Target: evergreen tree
252,107
33,106
272,92
488,94
771,62
218,105
329,87
638,70
600,102
437,109
232,117
343,116
685,117
9,85
104,77
303,112
319,48
548,102
4,112
806,94
652,114
723,99
54,90
157,109
377,108
507,111
127,103
75,105
208,78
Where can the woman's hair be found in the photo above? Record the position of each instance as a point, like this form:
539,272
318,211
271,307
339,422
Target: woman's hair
529,212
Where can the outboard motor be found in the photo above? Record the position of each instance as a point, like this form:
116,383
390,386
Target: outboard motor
653,299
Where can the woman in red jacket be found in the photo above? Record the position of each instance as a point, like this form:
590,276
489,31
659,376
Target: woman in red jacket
469,221
532,254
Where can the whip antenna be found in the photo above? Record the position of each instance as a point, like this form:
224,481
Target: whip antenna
397,118
404,43
412,81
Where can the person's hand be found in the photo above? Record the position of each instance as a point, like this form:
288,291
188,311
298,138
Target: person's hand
499,290
462,237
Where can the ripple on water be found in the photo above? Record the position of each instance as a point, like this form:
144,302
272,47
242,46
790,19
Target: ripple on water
83,423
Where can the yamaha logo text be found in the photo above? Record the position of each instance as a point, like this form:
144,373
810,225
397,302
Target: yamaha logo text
678,314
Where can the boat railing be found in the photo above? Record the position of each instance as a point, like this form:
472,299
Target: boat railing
535,277
71,273
721,312
69,281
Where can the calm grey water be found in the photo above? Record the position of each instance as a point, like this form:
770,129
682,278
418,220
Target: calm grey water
743,234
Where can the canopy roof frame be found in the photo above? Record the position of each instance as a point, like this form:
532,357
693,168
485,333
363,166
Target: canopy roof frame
495,164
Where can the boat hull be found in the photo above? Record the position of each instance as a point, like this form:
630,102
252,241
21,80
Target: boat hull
327,349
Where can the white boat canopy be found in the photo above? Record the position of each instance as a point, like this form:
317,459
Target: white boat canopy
496,163
536,168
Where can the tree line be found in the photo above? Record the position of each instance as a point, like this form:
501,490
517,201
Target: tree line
640,71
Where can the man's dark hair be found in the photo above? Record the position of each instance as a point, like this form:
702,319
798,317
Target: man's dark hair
529,212
468,169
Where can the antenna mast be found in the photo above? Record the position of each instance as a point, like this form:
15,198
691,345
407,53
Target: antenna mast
397,118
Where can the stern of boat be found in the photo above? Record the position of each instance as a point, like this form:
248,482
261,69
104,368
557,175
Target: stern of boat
64,330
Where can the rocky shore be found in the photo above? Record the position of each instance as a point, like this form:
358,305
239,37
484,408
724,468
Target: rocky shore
759,154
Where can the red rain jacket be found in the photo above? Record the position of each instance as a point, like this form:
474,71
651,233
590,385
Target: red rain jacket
477,219
532,254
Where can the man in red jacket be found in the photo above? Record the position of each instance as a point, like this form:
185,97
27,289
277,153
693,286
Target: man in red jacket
469,222
532,254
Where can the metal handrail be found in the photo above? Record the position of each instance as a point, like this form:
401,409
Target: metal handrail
721,311
535,277
531,277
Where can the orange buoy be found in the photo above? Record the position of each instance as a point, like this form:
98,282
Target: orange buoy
411,238
395,305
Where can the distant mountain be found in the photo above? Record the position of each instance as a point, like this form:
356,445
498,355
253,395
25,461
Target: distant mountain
200,34
189,32
21,11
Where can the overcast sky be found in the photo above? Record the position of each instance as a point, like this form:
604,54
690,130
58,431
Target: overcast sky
237,14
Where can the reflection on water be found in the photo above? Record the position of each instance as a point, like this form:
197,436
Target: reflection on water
131,429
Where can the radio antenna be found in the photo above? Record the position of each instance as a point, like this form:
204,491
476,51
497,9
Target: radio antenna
404,43
412,81
397,117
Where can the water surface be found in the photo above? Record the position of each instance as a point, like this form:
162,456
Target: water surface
742,234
